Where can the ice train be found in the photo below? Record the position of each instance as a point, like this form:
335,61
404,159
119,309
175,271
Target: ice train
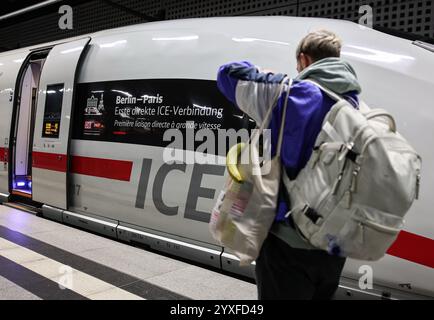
82,122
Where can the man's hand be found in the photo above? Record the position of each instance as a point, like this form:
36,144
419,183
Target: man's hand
267,71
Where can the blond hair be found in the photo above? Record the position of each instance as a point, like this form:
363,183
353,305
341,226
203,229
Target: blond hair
320,44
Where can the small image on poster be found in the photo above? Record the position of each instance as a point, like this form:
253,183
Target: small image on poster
94,116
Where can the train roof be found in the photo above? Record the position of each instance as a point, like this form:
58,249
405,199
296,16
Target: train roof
215,24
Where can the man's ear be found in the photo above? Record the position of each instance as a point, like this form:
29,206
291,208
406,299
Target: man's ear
309,60
305,60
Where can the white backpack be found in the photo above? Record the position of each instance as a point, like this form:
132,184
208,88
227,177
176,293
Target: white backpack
360,181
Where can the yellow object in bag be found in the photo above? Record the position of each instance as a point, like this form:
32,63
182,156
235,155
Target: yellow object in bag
232,161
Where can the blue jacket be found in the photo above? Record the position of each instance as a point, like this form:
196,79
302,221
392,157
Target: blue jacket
252,91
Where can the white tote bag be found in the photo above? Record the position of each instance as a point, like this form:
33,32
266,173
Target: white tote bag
245,211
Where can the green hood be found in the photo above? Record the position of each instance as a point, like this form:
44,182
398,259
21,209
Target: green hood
334,74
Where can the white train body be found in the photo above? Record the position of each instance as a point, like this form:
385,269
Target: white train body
88,169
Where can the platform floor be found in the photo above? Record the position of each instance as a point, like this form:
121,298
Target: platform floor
42,259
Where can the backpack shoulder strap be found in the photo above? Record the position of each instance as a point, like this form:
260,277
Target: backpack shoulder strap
330,93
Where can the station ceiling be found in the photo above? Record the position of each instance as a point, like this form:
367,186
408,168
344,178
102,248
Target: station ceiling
412,19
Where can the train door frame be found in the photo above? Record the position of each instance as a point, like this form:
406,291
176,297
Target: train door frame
54,123
33,56
11,68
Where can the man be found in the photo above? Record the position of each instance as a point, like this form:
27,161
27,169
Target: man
288,267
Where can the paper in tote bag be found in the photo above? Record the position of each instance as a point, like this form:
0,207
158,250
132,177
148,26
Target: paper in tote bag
245,210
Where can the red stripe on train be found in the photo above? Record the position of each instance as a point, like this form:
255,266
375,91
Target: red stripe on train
415,248
96,167
4,155
103,168
49,161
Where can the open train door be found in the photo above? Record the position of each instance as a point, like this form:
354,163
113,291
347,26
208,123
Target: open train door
50,160
10,66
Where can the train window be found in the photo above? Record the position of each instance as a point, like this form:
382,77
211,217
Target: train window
53,111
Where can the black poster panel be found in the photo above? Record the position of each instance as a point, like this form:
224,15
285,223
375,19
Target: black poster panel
140,111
